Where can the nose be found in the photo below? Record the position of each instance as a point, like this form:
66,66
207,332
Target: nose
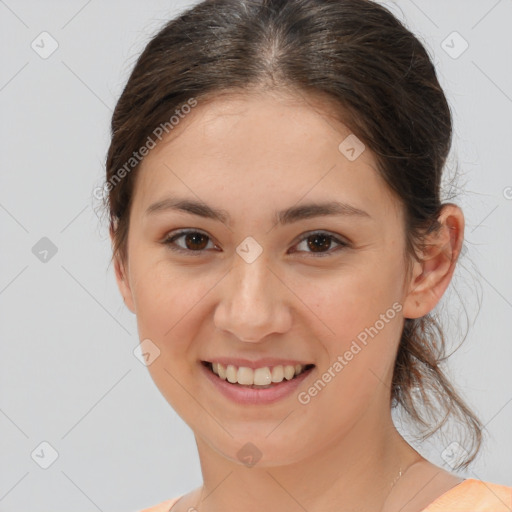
254,302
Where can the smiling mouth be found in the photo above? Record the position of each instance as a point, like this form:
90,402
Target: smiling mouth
259,378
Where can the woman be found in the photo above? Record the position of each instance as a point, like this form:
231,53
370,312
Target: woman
274,196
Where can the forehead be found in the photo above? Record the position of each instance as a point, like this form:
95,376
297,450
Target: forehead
256,143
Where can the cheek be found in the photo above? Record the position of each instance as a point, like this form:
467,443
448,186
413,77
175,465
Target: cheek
344,303
356,317
168,302
170,311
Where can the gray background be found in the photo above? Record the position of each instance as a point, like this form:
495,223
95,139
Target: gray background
68,373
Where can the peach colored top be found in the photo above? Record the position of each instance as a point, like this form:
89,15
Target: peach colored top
470,495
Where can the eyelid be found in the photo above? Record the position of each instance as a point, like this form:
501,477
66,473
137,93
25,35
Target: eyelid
342,242
334,236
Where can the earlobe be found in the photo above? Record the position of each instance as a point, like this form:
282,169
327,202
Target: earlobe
432,275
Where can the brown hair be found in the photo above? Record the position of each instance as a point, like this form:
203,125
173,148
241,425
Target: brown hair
357,54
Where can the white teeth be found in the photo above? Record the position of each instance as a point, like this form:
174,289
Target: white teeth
277,373
289,372
231,374
221,371
259,377
245,376
262,376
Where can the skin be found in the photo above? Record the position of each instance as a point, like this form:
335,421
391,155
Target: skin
251,154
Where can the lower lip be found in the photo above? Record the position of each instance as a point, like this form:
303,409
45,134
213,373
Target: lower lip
246,395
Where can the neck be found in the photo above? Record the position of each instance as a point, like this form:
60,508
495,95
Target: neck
355,470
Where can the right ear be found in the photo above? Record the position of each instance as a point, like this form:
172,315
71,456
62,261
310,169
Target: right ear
122,279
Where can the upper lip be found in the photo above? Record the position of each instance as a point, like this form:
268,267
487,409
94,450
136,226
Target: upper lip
259,363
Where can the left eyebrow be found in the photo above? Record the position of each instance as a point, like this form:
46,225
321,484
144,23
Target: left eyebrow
282,217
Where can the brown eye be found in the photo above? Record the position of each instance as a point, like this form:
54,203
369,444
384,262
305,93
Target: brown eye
193,241
320,243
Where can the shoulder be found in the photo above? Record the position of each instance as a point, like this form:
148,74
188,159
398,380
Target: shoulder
473,495
164,506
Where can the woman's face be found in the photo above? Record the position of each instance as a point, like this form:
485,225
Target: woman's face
260,286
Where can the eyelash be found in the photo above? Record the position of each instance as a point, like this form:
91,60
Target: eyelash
169,241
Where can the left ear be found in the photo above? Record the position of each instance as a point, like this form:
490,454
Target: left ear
431,276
